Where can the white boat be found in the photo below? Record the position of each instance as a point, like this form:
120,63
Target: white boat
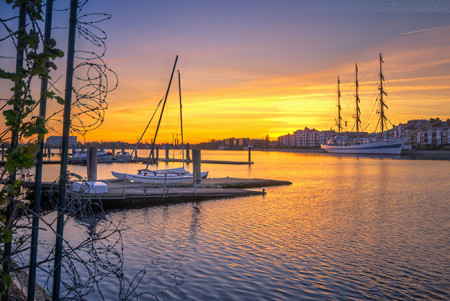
365,146
145,172
81,156
174,175
123,156
169,176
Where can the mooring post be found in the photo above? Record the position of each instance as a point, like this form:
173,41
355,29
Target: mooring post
167,152
188,157
197,159
92,164
3,152
113,151
249,155
157,155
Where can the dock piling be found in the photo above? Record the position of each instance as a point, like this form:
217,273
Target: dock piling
167,152
92,164
249,155
188,157
3,152
197,159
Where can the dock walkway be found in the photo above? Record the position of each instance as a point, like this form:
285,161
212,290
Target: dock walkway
131,195
125,194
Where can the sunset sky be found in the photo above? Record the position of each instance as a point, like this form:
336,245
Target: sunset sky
264,67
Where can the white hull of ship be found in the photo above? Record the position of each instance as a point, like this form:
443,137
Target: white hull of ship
393,147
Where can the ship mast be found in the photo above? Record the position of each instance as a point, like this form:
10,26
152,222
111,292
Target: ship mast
338,121
383,105
181,116
358,112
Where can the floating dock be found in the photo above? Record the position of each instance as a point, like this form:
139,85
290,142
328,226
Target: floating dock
125,194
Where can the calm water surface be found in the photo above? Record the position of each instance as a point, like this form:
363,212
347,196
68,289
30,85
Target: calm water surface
347,229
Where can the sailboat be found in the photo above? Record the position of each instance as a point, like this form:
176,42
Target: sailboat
159,176
365,146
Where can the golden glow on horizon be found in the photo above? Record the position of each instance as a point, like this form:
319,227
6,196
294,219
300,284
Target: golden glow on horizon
228,101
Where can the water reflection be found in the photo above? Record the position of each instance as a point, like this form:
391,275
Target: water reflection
196,222
347,228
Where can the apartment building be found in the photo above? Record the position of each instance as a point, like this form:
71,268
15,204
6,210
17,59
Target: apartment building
424,132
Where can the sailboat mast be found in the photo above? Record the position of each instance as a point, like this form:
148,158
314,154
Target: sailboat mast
358,112
162,111
338,123
181,116
382,103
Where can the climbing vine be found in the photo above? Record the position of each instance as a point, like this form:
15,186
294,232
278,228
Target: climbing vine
23,129
22,124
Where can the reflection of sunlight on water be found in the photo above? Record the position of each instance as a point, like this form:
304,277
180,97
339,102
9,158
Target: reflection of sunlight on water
347,228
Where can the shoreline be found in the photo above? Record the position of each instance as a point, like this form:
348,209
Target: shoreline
406,154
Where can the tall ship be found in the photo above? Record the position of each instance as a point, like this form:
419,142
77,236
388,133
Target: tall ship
342,144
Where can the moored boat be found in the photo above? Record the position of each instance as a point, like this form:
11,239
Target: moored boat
365,146
80,157
169,176
123,156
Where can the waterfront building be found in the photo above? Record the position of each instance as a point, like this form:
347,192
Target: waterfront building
286,140
259,143
56,141
305,138
242,142
424,132
230,142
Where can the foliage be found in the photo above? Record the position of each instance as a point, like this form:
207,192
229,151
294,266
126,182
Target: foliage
21,121
100,253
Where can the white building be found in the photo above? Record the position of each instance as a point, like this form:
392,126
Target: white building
425,132
305,138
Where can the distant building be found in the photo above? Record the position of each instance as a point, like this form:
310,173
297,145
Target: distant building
242,142
259,143
305,138
424,132
56,141
230,142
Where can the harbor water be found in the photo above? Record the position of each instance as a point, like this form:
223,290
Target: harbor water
348,228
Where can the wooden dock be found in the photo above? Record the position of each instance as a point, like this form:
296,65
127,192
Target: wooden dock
125,194
144,160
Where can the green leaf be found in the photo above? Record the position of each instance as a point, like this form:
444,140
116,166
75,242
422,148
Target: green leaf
4,74
5,281
12,117
6,235
48,94
60,100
